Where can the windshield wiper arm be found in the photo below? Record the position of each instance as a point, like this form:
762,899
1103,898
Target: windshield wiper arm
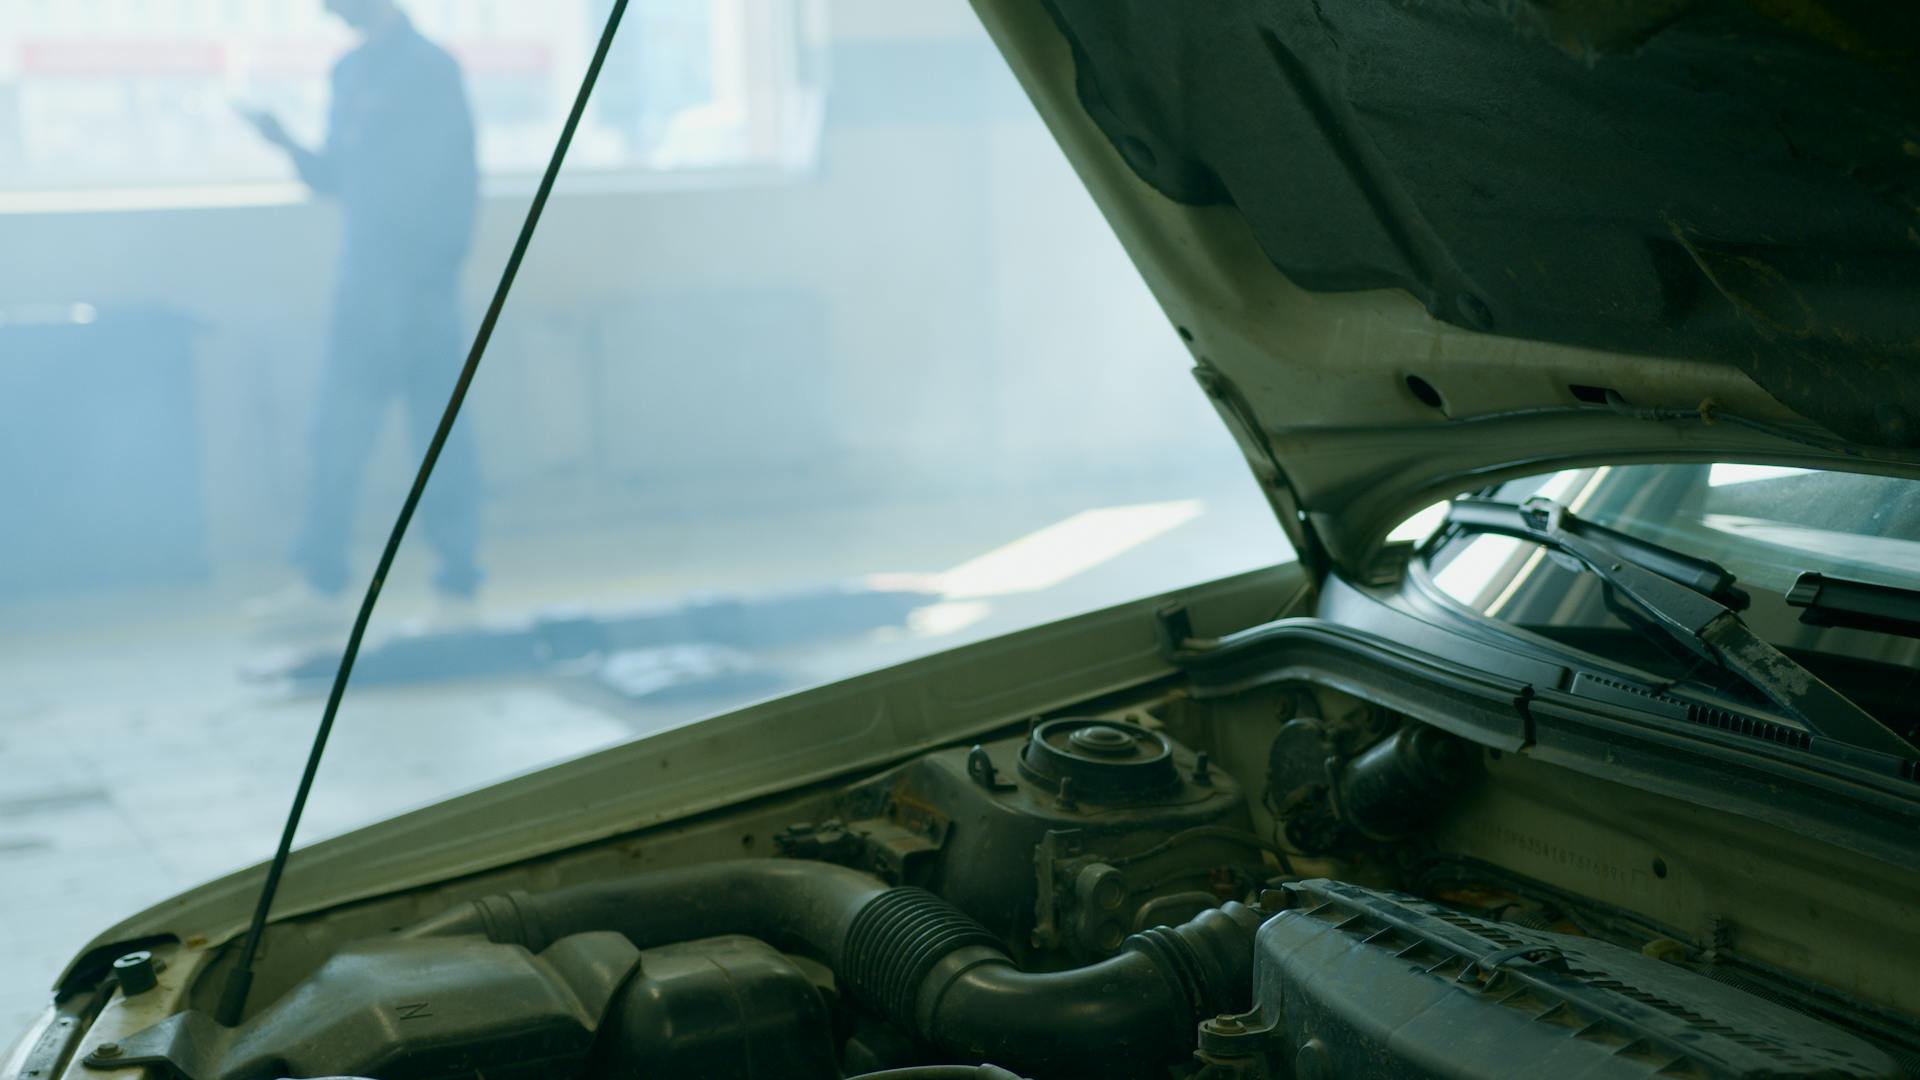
1701,575
1687,613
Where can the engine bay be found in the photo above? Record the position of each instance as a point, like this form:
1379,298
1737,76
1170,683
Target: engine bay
1290,882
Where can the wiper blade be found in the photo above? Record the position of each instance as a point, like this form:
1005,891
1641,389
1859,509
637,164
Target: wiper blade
1701,575
1862,605
1683,606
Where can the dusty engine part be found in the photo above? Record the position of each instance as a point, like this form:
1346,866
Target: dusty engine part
1108,763
899,954
478,989
1061,842
920,962
913,958
588,1005
719,1007
1324,793
1391,789
1357,982
395,1008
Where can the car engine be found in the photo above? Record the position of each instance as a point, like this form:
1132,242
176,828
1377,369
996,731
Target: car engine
1149,891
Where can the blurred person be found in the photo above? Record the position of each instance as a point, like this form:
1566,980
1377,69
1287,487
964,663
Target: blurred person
398,157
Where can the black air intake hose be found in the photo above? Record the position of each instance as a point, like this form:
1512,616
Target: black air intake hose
922,963
915,958
791,904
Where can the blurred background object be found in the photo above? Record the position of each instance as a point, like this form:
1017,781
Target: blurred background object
100,469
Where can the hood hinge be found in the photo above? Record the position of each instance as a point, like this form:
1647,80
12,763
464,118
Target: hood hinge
1245,426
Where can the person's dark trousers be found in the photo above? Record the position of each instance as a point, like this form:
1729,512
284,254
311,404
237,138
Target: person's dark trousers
391,337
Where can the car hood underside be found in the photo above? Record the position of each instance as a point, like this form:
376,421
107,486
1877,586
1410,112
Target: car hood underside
1414,246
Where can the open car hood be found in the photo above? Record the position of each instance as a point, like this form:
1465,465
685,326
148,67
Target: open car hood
1418,245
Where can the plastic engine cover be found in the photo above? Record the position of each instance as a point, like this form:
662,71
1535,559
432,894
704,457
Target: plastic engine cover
1356,982
460,1008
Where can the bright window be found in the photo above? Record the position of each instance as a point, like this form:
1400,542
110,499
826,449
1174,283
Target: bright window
143,95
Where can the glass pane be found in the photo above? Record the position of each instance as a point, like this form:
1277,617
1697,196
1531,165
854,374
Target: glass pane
843,369
146,103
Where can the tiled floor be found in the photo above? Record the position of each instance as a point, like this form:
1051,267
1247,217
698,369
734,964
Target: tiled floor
134,762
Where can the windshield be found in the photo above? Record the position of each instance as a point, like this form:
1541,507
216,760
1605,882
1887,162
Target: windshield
822,360
1766,524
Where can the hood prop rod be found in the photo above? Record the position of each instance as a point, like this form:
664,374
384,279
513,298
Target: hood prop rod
233,997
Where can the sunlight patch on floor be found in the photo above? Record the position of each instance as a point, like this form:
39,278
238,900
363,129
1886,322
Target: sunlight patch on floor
1065,549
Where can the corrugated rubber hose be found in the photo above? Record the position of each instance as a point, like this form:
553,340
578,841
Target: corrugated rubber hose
913,958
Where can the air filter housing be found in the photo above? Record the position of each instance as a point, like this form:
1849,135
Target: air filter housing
1357,982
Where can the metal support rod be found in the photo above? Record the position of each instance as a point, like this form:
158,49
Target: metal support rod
233,998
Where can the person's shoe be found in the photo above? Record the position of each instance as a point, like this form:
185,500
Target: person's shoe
451,613
300,608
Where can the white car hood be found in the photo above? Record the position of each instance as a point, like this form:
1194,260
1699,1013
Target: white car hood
1416,247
